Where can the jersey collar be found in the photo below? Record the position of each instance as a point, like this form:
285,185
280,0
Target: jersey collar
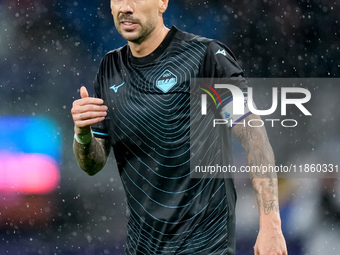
156,53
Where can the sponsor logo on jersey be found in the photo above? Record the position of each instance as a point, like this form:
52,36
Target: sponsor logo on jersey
166,81
116,87
223,52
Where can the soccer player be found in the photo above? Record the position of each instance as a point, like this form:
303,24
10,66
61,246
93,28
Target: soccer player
141,110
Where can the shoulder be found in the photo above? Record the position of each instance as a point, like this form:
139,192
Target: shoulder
192,39
219,60
218,48
112,59
213,47
116,53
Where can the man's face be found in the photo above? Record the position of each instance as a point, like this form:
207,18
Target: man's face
136,19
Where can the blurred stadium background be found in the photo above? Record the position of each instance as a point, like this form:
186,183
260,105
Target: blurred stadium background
48,49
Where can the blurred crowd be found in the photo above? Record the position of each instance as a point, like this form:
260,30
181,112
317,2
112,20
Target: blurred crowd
48,49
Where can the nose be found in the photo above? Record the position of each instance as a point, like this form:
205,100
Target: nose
126,6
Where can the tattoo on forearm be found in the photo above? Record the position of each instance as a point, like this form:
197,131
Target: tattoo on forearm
256,147
269,206
259,153
91,157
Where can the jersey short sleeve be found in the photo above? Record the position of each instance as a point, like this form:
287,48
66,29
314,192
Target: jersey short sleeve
99,129
220,62
221,67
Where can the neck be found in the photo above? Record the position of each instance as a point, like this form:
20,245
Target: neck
150,44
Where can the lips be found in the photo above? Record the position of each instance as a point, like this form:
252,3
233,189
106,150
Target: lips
128,25
127,21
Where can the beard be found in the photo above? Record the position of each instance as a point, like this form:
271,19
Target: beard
137,36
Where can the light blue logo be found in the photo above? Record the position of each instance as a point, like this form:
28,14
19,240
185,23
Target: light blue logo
223,52
166,81
116,87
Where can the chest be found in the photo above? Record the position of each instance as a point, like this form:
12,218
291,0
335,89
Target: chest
151,103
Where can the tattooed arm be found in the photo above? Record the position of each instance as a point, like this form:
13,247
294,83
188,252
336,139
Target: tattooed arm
256,145
92,152
92,157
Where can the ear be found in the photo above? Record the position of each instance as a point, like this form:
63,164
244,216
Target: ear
163,5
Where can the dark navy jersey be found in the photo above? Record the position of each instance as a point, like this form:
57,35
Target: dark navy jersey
148,125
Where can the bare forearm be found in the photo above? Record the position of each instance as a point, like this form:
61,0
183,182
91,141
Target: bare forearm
264,183
266,191
259,153
254,140
91,157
